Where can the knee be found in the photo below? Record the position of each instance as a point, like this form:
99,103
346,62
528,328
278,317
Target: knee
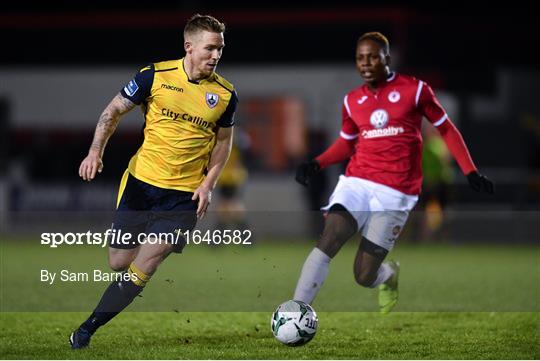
327,243
332,239
364,279
336,231
119,262
118,265
120,259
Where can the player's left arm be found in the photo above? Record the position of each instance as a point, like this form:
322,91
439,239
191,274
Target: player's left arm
434,112
218,158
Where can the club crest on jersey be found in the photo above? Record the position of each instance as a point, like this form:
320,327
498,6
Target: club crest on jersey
394,96
211,99
379,118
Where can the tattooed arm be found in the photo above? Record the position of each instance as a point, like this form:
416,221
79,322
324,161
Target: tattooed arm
105,128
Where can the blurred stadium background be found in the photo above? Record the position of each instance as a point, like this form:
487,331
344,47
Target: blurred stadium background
292,64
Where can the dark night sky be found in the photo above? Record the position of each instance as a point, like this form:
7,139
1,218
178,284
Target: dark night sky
466,47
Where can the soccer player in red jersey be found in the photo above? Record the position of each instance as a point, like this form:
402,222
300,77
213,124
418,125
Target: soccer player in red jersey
381,137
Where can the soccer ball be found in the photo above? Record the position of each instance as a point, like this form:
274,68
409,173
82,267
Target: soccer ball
294,323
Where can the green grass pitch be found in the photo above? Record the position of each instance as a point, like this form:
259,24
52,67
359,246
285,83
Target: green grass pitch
456,302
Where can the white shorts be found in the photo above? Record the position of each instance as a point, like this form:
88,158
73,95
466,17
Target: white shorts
380,211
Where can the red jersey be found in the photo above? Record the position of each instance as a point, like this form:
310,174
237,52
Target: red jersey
387,123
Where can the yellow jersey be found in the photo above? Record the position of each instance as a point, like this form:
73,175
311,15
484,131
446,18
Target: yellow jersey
234,174
181,121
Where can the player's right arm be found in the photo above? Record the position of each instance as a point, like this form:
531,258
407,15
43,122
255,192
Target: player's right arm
340,150
134,93
106,126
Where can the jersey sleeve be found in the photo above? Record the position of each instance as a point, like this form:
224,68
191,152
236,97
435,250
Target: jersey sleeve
138,89
349,130
455,143
227,118
343,147
429,106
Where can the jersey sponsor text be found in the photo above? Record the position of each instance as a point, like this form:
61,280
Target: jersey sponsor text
383,132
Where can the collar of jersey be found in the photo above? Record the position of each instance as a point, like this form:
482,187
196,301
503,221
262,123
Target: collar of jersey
391,76
186,77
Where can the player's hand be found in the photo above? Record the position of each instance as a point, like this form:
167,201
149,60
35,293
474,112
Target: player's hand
306,171
204,195
480,182
90,165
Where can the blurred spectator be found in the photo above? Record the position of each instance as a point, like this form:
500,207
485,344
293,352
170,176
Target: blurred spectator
437,168
231,211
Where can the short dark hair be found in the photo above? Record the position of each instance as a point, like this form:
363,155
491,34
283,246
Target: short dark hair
200,22
377,37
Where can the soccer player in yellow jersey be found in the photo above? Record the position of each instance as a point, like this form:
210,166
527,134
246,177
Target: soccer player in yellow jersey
189,114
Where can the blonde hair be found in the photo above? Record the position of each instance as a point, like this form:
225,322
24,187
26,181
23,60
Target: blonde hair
200,22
